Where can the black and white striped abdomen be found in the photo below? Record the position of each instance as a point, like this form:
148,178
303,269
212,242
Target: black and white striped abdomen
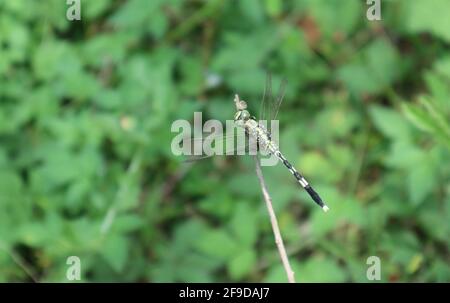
293,171
300,179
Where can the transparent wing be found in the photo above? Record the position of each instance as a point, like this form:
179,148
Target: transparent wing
266,99
205,136
228,152
270,106
277,103
208,145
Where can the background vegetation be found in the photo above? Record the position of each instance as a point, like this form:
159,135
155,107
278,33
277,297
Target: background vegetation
86,167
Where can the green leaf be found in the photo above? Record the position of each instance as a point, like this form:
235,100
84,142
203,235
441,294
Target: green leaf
439,90
371,71
115,251
419,117
391,123
316,165
421,181
428,119
274,7
242,52
217,243
126,223
335,16
403,155
277,274
357,78
318,270
311,270
442,66
244,225
429,16
192,72
252,10
93,9
33,234
134,14
242,264
195,268
343,211
435,222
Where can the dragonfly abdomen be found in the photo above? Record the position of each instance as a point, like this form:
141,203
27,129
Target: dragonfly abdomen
300,179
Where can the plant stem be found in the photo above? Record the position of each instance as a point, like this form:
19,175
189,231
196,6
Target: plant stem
274,222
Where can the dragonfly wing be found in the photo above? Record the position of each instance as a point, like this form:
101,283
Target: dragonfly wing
277,103
270,105
210,145
239,150
205,137
266,99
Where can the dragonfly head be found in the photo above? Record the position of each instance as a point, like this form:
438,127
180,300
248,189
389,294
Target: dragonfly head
243,115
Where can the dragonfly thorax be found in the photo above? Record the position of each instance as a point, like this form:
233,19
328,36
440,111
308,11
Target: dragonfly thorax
242,115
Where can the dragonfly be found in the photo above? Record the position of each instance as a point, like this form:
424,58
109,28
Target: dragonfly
259,133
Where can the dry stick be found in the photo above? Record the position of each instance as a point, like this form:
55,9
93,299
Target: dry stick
274,222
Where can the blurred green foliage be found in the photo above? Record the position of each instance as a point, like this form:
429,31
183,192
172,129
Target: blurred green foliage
86,167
